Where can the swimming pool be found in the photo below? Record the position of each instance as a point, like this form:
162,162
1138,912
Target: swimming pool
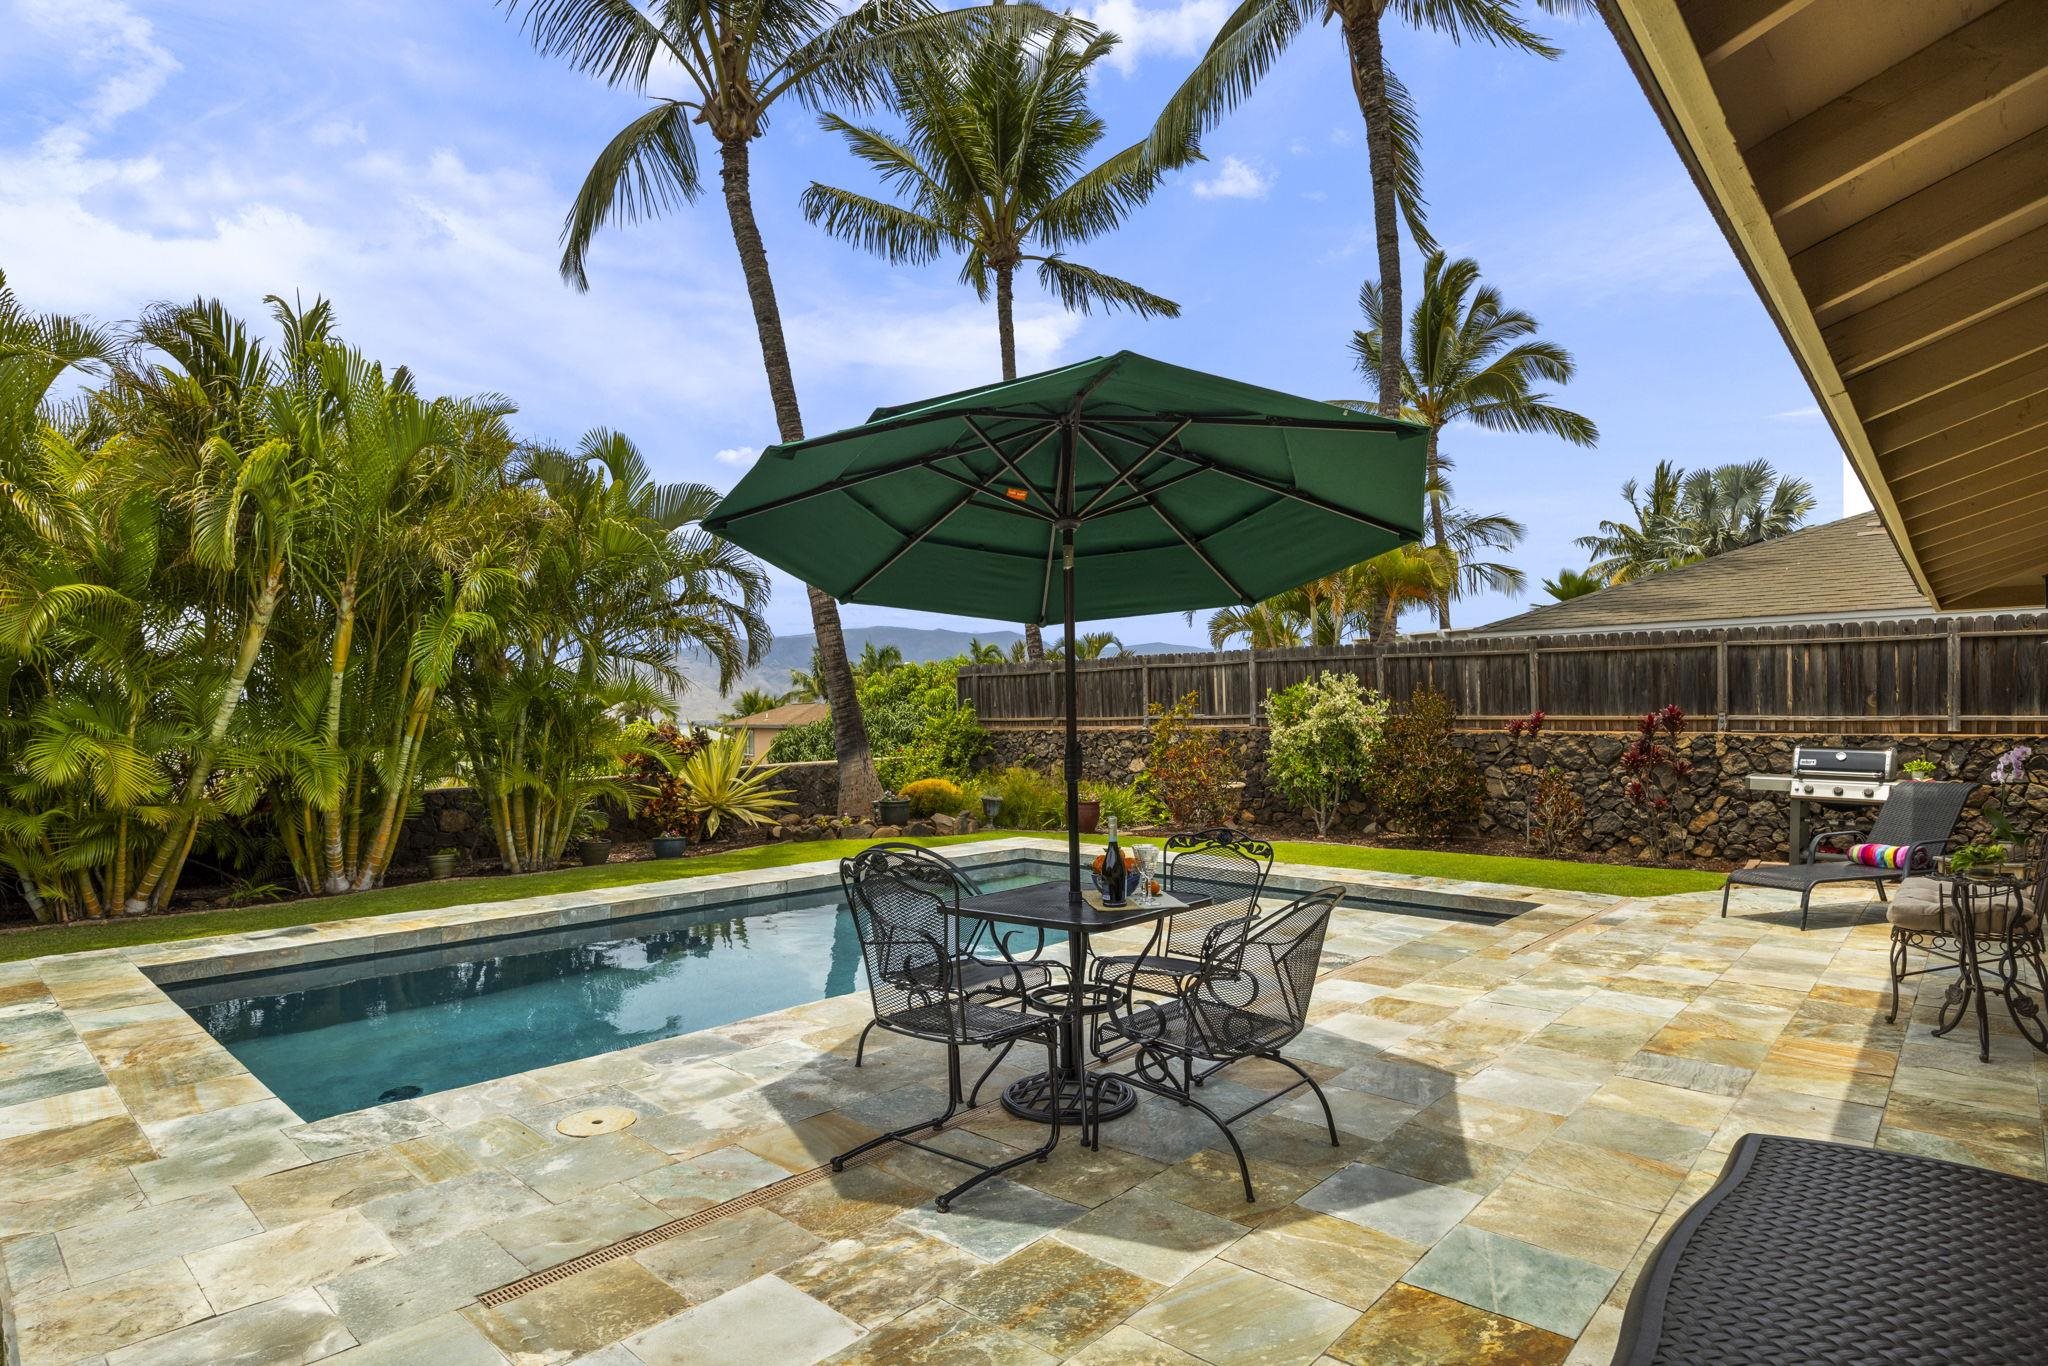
344,1035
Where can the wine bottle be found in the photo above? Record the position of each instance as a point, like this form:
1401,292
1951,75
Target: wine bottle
1114,873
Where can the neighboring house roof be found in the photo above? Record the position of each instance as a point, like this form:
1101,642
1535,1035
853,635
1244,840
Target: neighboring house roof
1837,570
782,717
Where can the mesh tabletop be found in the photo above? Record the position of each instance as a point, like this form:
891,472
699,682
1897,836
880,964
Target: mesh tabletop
1814,1252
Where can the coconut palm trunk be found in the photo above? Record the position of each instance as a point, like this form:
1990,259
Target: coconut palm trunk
1006,332
1433,479
1361,20
858,785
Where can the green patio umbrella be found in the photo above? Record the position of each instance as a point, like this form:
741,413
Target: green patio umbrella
1117,486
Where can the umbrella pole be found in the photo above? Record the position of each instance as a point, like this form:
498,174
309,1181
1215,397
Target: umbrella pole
1073,764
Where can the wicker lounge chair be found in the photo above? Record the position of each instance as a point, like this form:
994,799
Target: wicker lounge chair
1920,817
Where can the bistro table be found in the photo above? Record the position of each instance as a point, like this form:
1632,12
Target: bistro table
1046,906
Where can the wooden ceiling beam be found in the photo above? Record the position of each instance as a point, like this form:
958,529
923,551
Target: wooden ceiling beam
1999,513
1720,27
2019,563
1995,545
1949,215
1961,485
1979,438
1946,303
2014,382
1948,80
1976,350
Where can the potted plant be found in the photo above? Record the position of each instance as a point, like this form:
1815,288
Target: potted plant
671,844
1090,814
656,770
594,847
441,863
1919,770
891,809
1977,860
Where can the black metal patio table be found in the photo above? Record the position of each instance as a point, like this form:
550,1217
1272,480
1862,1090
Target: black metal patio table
1045,905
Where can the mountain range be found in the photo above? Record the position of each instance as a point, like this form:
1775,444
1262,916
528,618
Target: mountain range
701,702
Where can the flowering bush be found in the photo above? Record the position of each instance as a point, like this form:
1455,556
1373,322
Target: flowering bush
1189,768
1324,742
2010,771
1530,725
1653,771
1528,728
1428,786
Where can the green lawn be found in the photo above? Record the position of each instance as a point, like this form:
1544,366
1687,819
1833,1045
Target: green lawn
1613,879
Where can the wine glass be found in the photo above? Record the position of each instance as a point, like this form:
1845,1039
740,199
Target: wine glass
1143,856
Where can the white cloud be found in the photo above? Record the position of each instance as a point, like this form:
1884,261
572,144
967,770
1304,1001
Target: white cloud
1807,414
736,455
110,40
902,348
1631,239
339,132
1179,30
1235,178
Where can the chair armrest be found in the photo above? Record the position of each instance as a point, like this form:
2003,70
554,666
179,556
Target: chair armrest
1813,845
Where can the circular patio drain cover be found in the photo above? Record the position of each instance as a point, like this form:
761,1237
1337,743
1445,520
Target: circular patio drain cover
603,1119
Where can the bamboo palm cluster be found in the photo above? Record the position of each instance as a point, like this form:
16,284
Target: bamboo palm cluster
1687,516
255,592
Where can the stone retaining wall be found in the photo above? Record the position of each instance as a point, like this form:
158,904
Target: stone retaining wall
1714,817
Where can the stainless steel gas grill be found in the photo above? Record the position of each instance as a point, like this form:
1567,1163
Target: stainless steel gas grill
1828,777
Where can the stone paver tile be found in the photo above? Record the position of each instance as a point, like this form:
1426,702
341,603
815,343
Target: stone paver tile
709,1179
420,1285
1762,1111
1513,1278
2015,1092
590,1310
284,1259
38,1200
362,1130
807,1143
1233,1317
288,1197
1642,1135
1572,1222
1335,1258
1474,1120
703,1263
1124,1345
934,1173
444,1340
109,1247
1210,1182
1678,1104
101,1144
1714,1078
32,1265
1413,1327
2023,1159
1501,1083
1150,1237
435,1157
1053,1295
1358,1113
766,1322
994,1219
547,1237
1408,1082
197,1169
574,1167
64,1110
109,1314
1641,1182
1391,1202
497,1141
871,1276
1597,1343
294,1327
425,1215
1444,1159
846,1202
936,1332
214,1127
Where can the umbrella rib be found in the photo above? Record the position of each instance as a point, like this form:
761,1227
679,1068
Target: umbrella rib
1200,554
910,544
1009,464
1359,423
1259,481
1136,465
1052,547
1138,495
998,504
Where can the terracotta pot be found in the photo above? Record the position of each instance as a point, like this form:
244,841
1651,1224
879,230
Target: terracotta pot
1091,815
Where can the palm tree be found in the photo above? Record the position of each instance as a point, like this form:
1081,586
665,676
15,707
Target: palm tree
1470,358
1690,516
986,652
1253,36
1091,645
737,61
1268,625
989,166
1572,583
752,702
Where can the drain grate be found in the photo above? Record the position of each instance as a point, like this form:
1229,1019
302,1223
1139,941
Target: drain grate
711,1214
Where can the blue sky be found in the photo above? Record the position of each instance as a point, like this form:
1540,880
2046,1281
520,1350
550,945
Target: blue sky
411,159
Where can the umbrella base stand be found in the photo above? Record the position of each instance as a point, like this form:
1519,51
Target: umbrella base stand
1037,1096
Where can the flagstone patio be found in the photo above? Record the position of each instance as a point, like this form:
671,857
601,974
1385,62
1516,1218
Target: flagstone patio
1526,1106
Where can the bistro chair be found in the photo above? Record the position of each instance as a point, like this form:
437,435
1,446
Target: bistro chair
905,906
1916,820
1958,921
993,978
1226,870
1246,998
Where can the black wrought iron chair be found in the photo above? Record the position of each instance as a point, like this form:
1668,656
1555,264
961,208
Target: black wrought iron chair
1957,922
1918,817
980,975
905,905
1248,997
1226,870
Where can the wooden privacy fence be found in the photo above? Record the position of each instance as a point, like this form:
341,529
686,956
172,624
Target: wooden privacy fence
1961,674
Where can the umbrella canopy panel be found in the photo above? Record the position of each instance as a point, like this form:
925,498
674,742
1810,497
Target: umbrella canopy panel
1183,491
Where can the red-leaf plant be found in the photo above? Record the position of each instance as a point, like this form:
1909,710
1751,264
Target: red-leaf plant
1654,771
1528,727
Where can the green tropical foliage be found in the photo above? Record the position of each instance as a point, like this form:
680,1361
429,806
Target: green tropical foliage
1684,517
1323,742
752,702
919,725
1572,583
721,786
254,596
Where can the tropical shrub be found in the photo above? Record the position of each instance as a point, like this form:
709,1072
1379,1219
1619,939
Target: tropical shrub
1189,768
720,784
1323,742
1129,803
1031,800
1653,772
917,724
653,770
1557,814
1428,786
934,797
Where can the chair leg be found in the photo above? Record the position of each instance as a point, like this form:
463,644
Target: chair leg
860,1049
953,1107
1898,976
1726,888
1038,1154
1805,900
974,1096
1881,897
1328,1119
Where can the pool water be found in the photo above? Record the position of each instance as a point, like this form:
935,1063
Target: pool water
342,1036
